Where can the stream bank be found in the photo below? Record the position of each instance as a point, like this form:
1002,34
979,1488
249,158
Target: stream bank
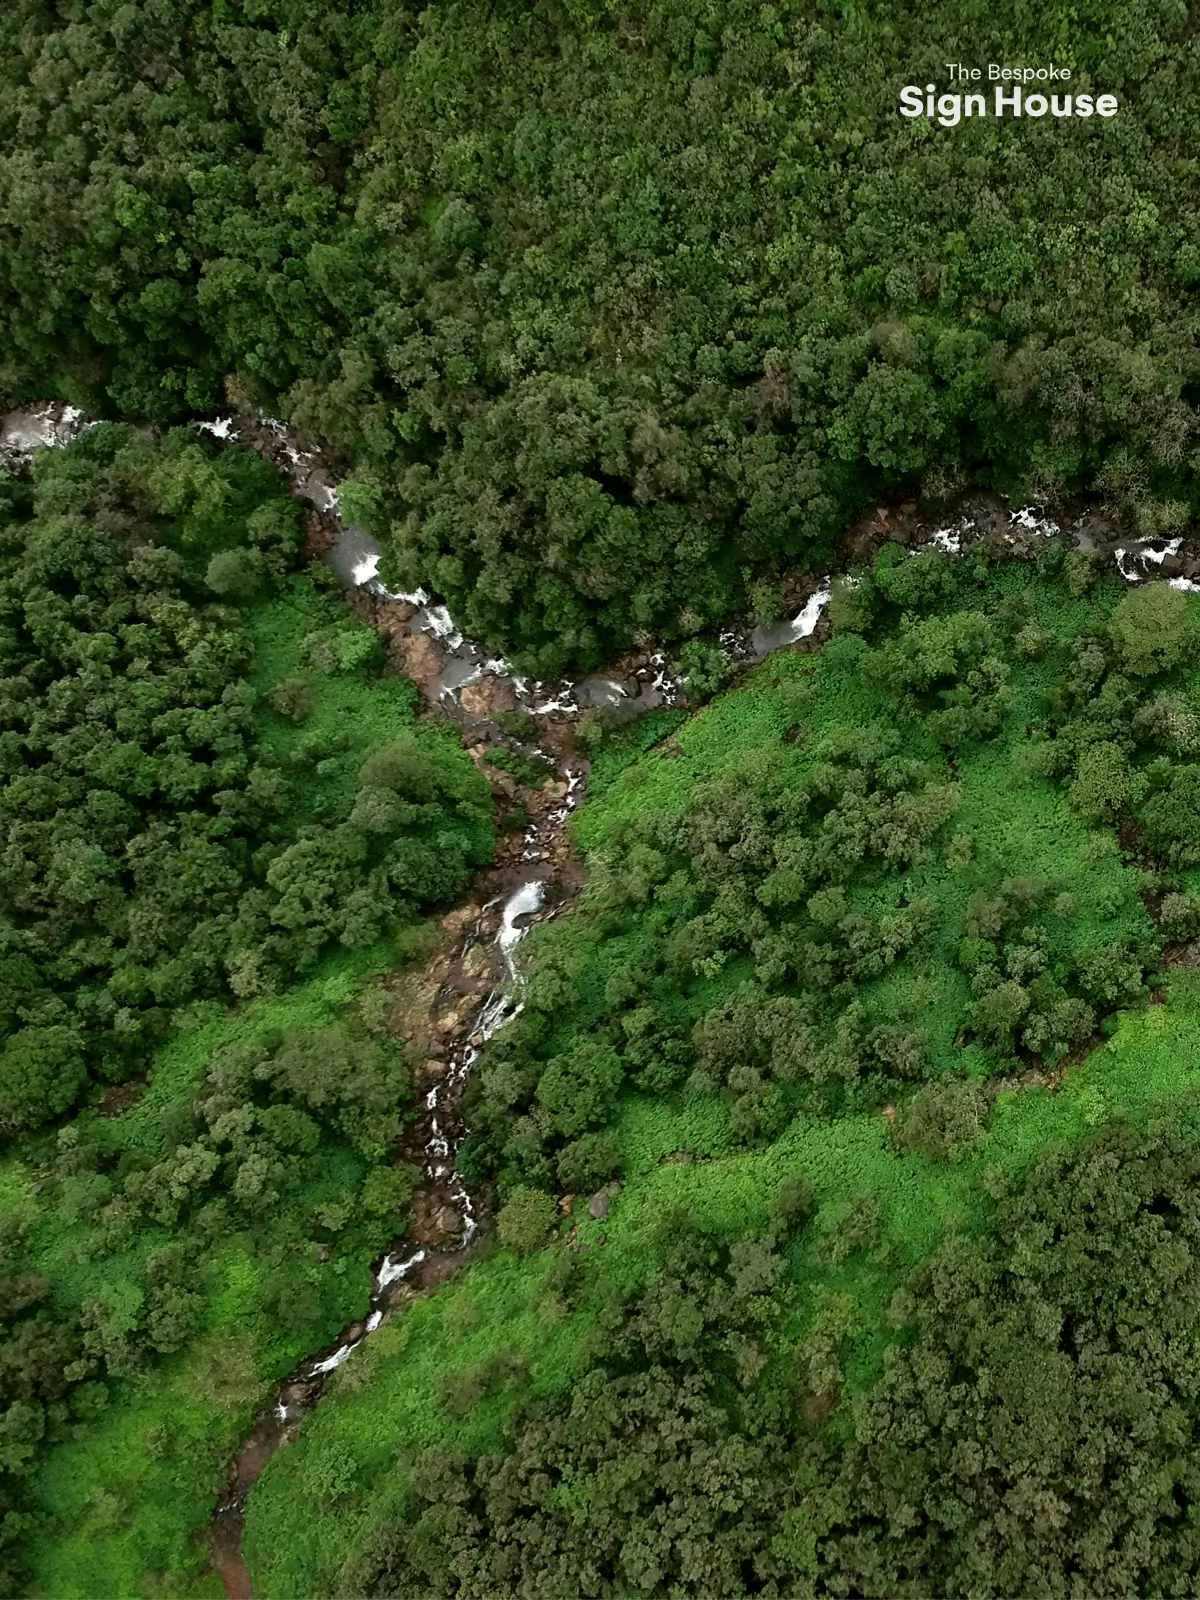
466,991
459,681
473,980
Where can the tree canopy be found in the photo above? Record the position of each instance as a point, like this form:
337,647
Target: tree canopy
1035,1429
610,306
153,851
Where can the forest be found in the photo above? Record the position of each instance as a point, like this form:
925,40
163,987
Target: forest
211,792
612,312
837,1166
874,1036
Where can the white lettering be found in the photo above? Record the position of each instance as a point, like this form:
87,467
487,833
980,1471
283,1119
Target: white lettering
950,109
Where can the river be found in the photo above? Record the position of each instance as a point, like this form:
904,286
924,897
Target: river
477,970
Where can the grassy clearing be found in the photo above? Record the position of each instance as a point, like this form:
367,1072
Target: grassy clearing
680,1151
317,1498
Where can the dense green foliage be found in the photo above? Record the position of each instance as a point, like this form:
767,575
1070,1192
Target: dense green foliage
612,312
1035,1430
1039,1432
827,1352
280,1153
637,1481
212,796
849,909
449,1373
151,853
612,305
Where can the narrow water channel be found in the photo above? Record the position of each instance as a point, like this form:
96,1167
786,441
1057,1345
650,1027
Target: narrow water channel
463,682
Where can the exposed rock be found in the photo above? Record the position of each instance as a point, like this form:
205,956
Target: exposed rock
871,530
418,657
502,782
599,689
488,697
475,962
599,1203
393,616
319,537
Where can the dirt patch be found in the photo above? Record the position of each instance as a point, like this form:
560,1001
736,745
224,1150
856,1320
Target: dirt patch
121,1096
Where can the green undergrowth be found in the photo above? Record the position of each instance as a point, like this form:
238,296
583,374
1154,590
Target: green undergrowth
224,831
333,719
617,749
319,1498
124,1497
830,887
880,1162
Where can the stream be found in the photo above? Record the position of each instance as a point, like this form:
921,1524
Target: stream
413,1265
476,980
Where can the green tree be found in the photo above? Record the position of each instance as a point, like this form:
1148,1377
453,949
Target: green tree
526,1219
1154,629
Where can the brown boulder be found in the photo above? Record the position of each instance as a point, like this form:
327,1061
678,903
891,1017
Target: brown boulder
418,657
391,616
457,922
475,961
487,697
